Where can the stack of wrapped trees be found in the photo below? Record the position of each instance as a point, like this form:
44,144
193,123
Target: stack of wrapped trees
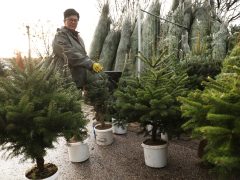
150,30
100,34
204,35
118,50
109,50
124,45
199,36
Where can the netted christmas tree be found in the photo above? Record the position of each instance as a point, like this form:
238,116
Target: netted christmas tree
199,62
214,115
37,107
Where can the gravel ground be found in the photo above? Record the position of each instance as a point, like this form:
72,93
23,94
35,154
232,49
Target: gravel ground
122,160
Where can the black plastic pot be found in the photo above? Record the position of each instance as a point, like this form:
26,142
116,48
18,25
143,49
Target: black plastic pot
113,77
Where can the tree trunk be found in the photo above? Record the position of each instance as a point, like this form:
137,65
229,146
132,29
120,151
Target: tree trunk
201,147
154,133
40,164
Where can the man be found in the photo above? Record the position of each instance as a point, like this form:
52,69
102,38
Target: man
69,47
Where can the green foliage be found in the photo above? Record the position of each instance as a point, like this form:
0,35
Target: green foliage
125,98
97,94
199,68
151,99
234,37
37,107
118,118
214,115
115,115
232,59
194,110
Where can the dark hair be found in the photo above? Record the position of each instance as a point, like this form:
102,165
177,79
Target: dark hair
70,12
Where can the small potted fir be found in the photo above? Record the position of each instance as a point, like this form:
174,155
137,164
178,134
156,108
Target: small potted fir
78,148
152,99
119,124
37,107
97,94
119,121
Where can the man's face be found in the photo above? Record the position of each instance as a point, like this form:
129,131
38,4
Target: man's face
71,22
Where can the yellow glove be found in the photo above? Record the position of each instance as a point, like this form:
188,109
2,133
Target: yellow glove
97,67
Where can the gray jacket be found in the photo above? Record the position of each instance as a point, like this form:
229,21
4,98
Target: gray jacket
69,47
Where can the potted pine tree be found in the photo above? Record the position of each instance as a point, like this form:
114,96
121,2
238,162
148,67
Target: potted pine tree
78,149
119,124
97,94
37,107
214,116
119,121
77,146
152,99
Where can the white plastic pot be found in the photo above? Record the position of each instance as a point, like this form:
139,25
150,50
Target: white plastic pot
78,151
149,128
155,156
103,136
53,177
119,129
164,136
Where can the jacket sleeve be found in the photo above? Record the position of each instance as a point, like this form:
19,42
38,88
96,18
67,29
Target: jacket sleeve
62,46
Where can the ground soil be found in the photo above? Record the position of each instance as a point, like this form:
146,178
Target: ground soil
49,170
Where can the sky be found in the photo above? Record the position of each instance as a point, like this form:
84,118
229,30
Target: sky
15,15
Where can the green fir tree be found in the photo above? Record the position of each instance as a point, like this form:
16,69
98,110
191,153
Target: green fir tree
37,107
151,99
232,59
214,115
97,94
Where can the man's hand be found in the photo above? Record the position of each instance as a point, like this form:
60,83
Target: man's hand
97,67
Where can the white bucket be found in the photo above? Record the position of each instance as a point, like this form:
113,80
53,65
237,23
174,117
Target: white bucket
78,151
155,156
53,177
149,128
164,136
119,129
103,136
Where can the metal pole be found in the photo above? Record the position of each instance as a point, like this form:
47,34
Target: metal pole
139,42
29,45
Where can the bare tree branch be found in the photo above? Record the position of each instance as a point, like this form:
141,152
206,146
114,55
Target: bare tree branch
226,10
